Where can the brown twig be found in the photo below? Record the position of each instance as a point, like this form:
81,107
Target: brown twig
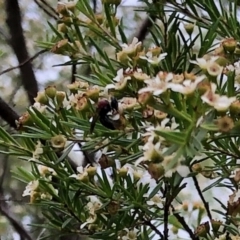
18,44
154,228
184,224
24,62
205,203
52,14
8,114
17,226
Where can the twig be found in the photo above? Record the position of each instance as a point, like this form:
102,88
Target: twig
8,114
48,12
154,228
4,211
166,211
74,71
49,6
24,62
4,170
185,225
145,26
18,44
18,227
206,205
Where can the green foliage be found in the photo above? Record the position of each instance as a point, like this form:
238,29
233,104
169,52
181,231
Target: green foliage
178,120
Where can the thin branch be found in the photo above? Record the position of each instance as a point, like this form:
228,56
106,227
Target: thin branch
8,114
166,206
18,44
17,226
74,72
49,6
4,170
24,62
185,225
205,203
154,228
145,26
46,10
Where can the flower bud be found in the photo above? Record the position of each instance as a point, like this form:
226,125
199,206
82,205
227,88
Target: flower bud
105,162
58,142
225,124
156,170
235,107
189,27
113,207
82,104
229,45
155,51
24,120
84,177
196,168
71,6
41,98
148,113
123,172
60,46
174,230
62,28
222,61
60,96
160,115
145,98
202,230
215,225
185,206
93,93
91,171
62,9
51,91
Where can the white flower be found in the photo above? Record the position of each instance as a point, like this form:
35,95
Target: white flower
31,188
151,152
187,86
220,103
91,219
132,47
46,171
94,205
156,200
120,79
127,103
41,108
153,59
38,151
171,167
82,173
139,75
130,234
157,85
203,63
214,69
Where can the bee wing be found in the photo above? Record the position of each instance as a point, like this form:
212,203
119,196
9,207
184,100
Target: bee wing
114,103
93,123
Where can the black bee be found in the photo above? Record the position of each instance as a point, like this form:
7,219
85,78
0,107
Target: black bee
103,111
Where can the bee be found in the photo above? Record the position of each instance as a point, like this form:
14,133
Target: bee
108,115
